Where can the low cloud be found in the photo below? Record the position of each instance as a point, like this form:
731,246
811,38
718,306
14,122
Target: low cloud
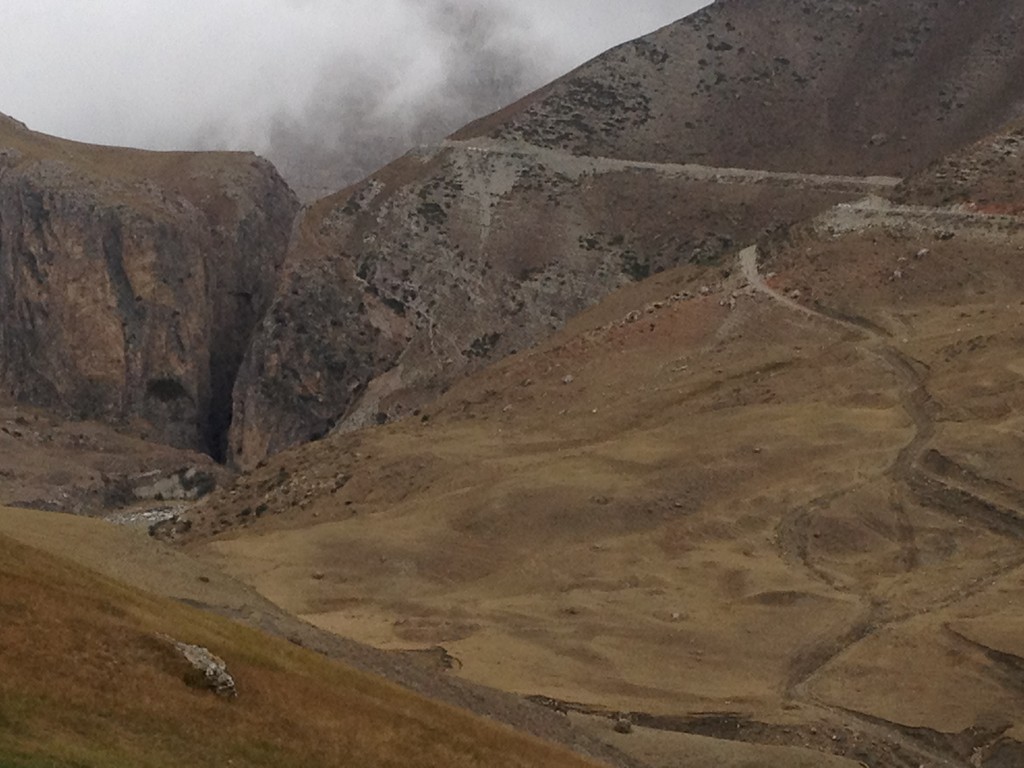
329,90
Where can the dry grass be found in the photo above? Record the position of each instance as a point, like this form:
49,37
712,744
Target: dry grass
710,515
611,540
86,681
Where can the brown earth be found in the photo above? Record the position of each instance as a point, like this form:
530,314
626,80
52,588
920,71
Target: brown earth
127,556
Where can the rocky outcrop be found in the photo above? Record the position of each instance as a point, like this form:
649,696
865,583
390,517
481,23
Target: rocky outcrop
207,671
186,484
461,254
130,282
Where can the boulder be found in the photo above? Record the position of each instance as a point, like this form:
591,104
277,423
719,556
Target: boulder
208,671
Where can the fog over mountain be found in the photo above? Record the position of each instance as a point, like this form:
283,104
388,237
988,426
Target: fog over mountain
327,90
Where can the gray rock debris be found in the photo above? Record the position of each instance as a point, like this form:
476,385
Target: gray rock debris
186,484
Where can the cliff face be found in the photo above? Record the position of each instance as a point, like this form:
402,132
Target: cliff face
130,282
463,253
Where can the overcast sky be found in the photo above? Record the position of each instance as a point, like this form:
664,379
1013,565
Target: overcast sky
284,76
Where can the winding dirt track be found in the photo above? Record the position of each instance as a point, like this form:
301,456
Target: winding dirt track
911,480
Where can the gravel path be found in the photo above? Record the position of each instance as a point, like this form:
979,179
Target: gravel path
570,164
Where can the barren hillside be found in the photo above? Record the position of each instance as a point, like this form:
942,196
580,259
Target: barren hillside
984,176
842,86
458,255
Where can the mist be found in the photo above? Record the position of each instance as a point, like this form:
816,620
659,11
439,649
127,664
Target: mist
327,89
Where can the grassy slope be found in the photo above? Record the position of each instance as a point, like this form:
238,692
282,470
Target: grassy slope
579,540
86,681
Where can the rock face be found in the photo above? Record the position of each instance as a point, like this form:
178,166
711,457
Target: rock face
460,254
130,281
983,177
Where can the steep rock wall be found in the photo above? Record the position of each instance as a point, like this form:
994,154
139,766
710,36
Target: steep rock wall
130,282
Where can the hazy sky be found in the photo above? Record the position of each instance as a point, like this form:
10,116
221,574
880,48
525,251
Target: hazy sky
284,76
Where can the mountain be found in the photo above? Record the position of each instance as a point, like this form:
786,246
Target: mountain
680,399
765,490
130,282
161,296
461,254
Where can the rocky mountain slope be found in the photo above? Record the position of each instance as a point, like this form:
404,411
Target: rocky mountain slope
135,283
841,86
461,254
448,260
982,177
130,282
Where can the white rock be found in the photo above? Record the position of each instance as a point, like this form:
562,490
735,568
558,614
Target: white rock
213,668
